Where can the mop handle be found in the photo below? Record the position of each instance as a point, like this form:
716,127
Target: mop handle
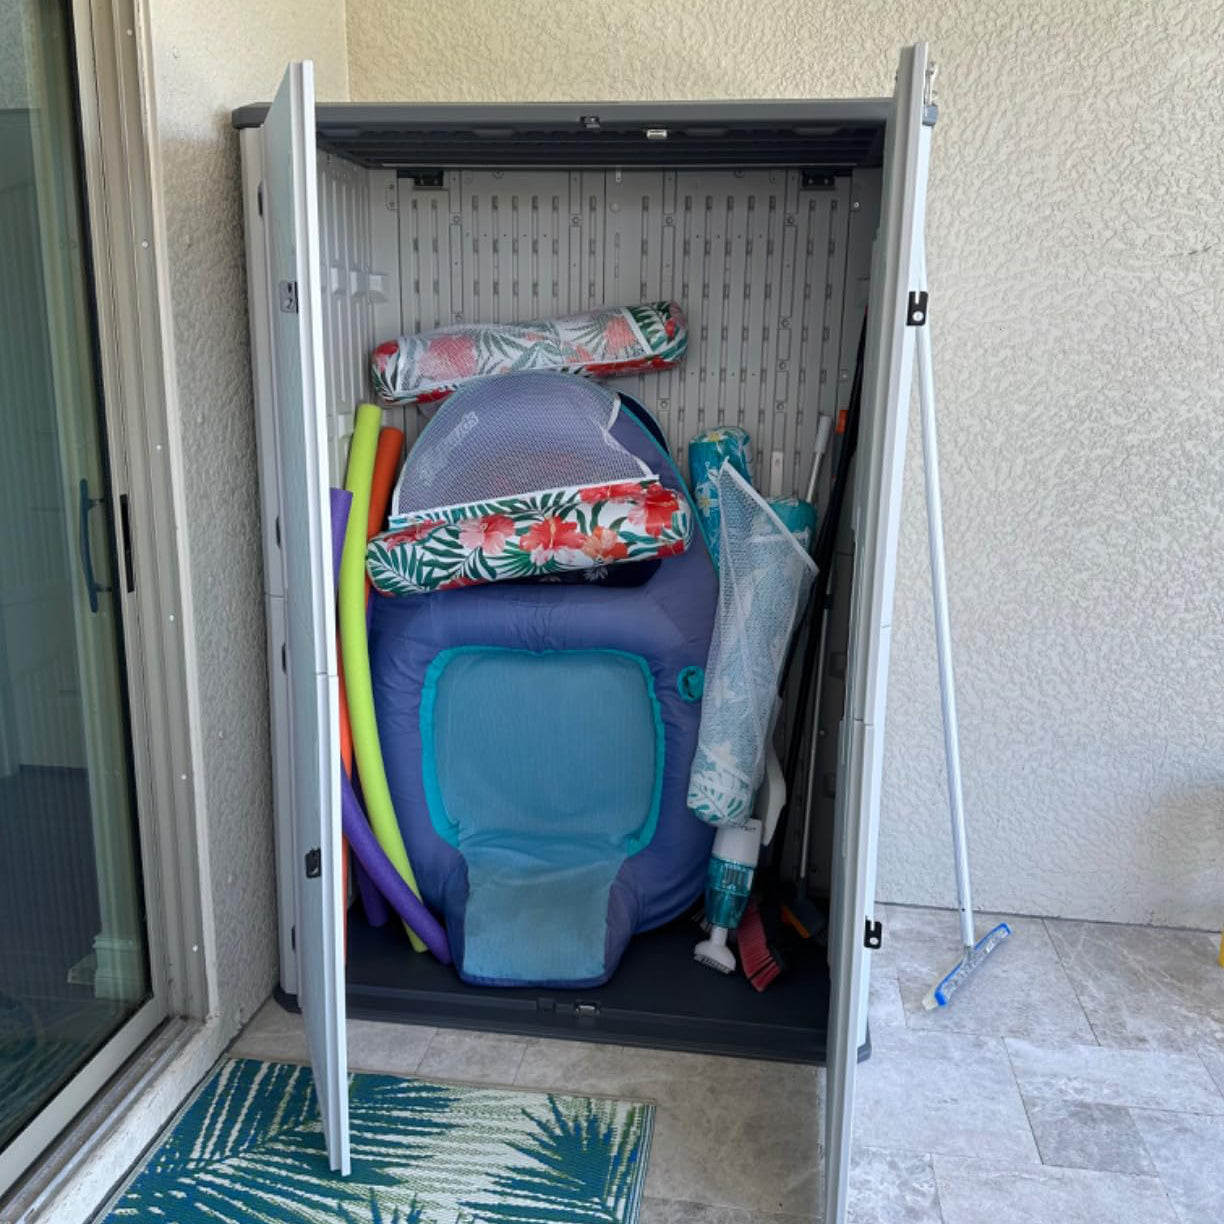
943,631
823,429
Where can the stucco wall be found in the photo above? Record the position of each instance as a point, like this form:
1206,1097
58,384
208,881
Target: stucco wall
15,21
209,58
1076,245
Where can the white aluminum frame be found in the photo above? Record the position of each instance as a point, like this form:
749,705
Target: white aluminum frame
139,386
131,295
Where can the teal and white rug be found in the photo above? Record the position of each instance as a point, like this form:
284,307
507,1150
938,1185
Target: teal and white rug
249,1150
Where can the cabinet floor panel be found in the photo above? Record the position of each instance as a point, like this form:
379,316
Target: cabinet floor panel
658,997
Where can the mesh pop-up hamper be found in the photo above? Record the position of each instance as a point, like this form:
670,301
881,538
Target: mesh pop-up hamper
764,574
520,476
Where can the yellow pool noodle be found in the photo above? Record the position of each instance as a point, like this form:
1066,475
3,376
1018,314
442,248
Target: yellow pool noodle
355,650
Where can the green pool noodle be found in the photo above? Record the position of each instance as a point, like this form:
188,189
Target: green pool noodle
355,649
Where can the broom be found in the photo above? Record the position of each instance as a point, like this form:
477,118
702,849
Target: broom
761,944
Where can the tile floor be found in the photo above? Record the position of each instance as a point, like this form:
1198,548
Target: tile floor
1078,1080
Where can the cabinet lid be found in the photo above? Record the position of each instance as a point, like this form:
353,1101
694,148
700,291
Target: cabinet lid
827,134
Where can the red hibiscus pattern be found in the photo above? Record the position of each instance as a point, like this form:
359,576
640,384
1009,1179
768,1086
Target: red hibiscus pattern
488,533
604,544
655,511
410,535
618,335
549,536
450,356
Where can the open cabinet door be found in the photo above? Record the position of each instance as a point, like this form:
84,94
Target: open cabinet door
875,521
291,221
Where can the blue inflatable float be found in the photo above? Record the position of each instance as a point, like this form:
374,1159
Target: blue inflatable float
538,738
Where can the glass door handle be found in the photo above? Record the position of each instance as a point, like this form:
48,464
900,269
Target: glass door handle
92,586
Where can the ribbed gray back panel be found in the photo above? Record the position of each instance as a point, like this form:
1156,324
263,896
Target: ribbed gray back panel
757,261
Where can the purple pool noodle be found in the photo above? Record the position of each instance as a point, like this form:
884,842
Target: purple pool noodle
341,503
405,902
372,901
377,912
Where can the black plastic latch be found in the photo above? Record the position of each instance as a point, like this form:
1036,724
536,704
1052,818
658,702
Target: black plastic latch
314,863
916,314
424,178
873,937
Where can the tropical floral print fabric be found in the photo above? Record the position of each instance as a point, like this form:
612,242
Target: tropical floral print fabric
249,1150
707,453
585,528
603,343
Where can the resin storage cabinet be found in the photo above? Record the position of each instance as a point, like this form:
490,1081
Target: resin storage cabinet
777,226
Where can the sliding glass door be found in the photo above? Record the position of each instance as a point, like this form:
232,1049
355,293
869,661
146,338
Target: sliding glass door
74,955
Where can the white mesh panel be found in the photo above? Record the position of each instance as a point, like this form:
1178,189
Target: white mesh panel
763,578
511,435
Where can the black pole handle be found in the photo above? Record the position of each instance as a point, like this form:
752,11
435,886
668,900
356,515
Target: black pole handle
92,586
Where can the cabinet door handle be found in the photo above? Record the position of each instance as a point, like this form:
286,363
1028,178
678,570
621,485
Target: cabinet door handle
92,586
125,522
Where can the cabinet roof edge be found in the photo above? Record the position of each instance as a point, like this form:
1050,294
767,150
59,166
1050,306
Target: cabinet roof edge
333,117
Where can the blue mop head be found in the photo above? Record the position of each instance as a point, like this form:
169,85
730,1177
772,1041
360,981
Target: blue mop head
942,991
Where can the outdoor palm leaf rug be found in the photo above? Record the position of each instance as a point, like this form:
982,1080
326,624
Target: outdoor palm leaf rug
249,1150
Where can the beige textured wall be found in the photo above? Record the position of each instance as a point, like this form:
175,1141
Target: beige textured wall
209,58
1077,255
15,25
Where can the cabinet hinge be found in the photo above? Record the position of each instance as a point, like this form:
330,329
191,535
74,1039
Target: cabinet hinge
288,292
873,937
916,311
314,863
259,198
930,107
